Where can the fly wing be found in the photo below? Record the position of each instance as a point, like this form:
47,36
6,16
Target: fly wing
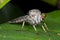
19,19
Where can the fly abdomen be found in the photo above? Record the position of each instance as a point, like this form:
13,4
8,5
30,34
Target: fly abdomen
18,20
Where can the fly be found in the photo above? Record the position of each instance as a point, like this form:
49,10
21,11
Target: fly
34,17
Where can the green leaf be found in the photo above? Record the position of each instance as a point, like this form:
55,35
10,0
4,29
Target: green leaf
3,3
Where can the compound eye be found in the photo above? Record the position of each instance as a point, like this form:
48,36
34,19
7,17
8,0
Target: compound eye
43,15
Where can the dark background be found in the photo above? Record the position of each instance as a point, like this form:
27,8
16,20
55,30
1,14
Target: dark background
26,5
16,8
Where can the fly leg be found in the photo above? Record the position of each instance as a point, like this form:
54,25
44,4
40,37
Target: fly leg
46,26
43,26
35,29
23,25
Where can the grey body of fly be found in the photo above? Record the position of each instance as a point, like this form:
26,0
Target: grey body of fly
25,18
33,18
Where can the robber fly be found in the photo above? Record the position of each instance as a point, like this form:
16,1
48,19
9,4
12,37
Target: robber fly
34,17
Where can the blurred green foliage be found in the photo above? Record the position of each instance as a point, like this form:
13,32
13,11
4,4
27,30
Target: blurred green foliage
52,2
3,3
